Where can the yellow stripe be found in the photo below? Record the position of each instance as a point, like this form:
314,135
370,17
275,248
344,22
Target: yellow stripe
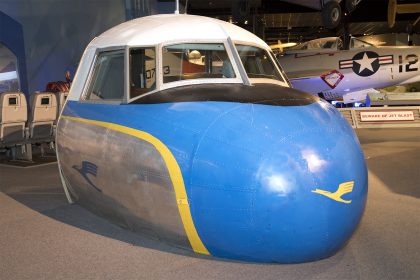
174,172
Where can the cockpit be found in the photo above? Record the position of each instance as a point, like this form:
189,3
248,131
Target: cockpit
171,65
152,54
329,43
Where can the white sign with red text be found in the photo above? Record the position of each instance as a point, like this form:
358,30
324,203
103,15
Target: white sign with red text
379,116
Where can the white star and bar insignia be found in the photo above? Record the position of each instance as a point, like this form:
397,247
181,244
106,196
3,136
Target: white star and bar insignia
366,63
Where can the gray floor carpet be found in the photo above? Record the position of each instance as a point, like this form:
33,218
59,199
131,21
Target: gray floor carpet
43,237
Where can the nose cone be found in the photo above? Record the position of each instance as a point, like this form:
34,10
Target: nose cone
277,183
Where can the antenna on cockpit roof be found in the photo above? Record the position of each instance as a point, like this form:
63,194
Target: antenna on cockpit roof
176,7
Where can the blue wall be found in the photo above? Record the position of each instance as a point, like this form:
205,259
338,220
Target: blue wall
49,36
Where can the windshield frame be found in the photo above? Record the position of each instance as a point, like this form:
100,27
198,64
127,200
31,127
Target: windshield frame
237,79
274,62
241,77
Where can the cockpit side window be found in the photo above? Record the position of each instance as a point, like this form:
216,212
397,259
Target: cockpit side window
258,63
195,61
142,71
107,82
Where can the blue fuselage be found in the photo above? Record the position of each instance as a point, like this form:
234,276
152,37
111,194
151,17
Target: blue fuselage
250,172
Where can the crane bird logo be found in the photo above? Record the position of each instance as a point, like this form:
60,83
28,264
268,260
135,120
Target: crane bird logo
86,169
343,189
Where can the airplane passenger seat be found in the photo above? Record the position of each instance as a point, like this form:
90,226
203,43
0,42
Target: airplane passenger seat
43,114
13,117
61,99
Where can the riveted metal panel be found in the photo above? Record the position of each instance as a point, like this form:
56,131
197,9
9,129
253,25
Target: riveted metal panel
128,183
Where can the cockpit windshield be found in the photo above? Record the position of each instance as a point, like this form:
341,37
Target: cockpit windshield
195,61
329,43
258,63
321,43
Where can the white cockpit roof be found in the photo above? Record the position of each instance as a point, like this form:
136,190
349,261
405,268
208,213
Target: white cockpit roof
159,29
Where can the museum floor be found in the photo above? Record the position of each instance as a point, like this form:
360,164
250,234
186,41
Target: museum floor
43,237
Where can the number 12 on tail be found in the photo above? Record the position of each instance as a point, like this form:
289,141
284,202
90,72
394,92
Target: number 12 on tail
411,60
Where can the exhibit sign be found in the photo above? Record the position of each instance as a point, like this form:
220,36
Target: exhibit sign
377,116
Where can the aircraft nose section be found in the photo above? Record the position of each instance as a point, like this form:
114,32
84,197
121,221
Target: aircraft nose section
278,184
